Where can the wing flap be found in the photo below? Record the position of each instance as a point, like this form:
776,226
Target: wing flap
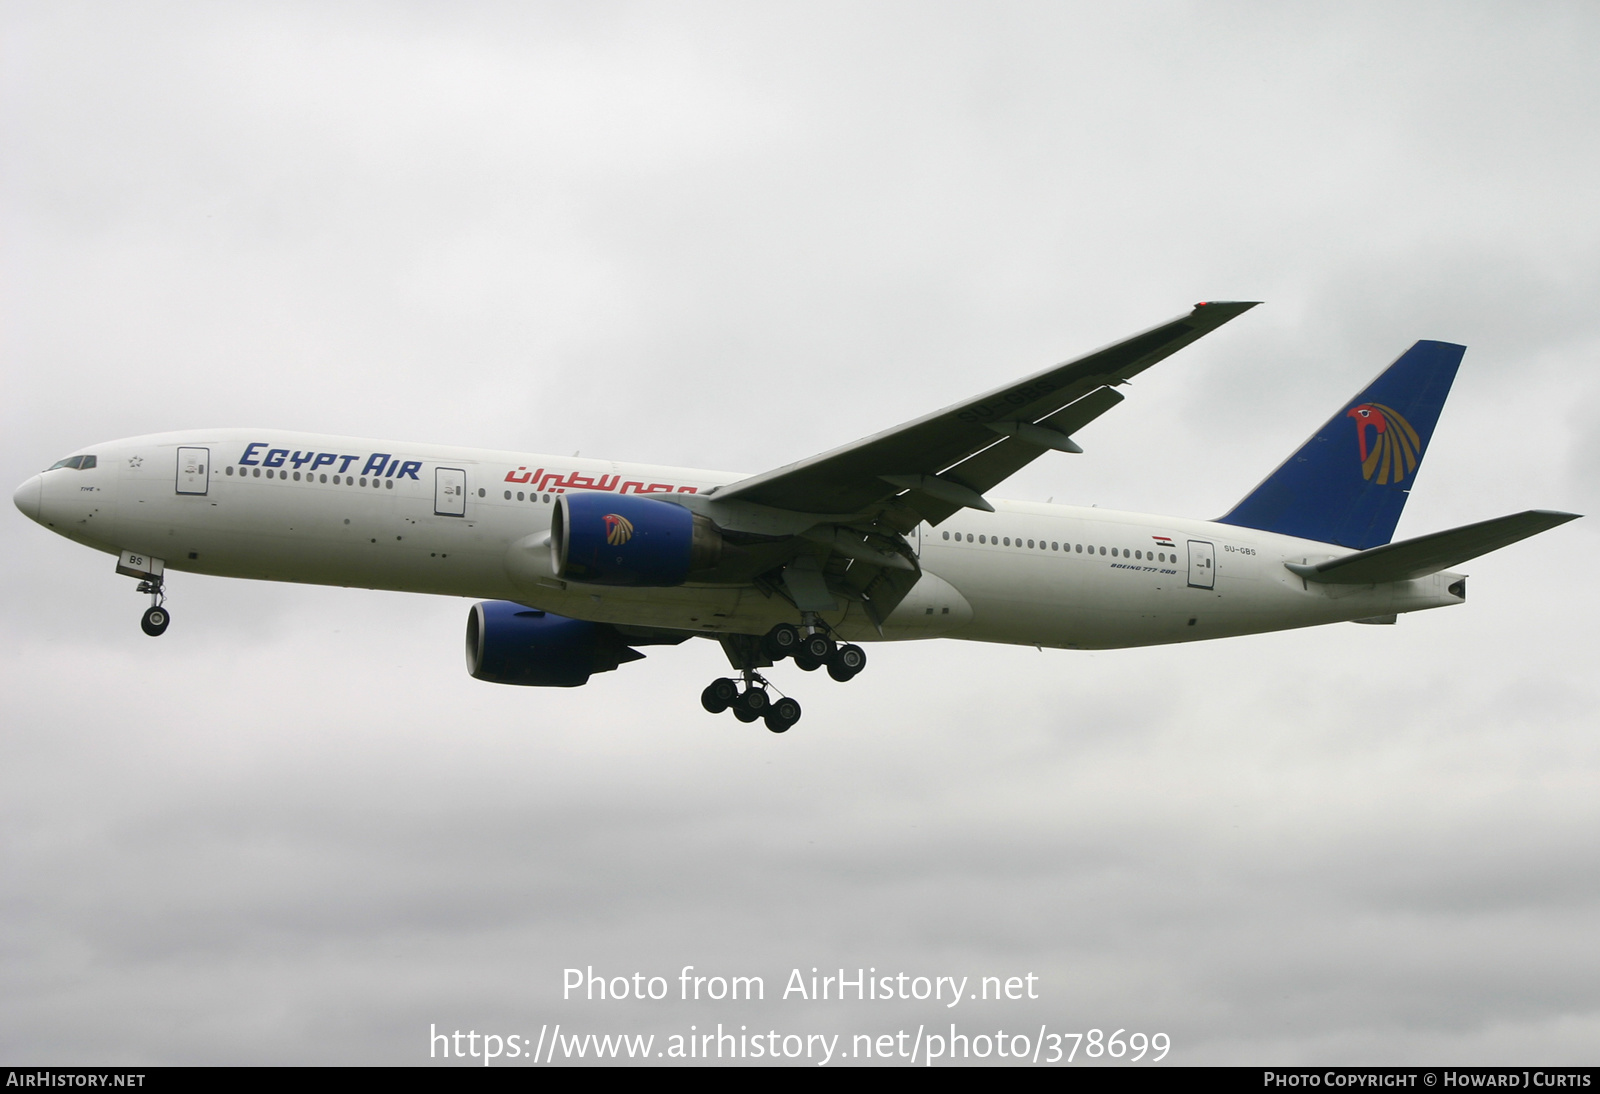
987,469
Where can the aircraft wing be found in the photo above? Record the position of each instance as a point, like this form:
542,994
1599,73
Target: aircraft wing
944,461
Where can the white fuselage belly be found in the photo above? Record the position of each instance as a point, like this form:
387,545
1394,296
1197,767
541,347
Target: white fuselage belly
383,531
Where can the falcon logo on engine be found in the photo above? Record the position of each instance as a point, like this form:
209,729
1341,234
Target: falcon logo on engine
619,529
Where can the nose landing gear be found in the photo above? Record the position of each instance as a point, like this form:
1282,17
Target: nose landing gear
149,571
156,617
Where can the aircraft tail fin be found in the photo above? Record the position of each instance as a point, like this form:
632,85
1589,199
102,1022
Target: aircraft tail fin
1431,553
1348,483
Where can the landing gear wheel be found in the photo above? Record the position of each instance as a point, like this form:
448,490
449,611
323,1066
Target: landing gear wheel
754,701
806,662
719,695
744,715
846,662
782,641
820,647
155,621
782,714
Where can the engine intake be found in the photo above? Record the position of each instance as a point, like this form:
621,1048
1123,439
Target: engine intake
610,539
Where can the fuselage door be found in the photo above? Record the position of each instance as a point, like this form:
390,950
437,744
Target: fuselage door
449,492
194,470
1202,565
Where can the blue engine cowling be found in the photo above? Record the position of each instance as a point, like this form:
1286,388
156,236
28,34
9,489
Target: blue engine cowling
513,644
611,539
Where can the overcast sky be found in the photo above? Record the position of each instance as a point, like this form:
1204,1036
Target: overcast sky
731,235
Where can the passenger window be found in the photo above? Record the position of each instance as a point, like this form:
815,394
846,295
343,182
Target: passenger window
947,535
1102,550
230,470
480,492
981,539
322,478
1030,543
969,537
388,484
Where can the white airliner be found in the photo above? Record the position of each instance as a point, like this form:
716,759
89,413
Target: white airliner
887,538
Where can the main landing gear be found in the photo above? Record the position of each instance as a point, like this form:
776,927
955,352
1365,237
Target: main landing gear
811,646
156,617
811,651
752,702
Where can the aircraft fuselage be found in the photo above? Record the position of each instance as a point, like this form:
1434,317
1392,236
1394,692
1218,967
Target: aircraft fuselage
463,522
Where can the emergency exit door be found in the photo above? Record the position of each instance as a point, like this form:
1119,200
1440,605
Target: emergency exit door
194,470
1202,565
449,492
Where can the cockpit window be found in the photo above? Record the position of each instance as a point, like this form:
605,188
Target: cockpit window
77,463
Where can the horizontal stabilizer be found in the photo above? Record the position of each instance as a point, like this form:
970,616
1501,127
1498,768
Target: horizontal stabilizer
1429,554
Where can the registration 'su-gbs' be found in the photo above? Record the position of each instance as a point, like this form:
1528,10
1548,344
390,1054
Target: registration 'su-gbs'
890,538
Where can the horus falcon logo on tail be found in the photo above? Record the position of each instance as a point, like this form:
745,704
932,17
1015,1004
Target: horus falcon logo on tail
1393,453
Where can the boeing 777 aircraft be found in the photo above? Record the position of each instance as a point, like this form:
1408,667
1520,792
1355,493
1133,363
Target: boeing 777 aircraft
579,561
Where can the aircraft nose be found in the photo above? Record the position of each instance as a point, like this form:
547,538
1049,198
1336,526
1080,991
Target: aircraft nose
29,497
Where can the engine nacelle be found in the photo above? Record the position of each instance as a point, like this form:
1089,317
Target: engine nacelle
510,643
611,539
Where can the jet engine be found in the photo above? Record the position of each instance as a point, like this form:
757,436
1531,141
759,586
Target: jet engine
510,643
610,539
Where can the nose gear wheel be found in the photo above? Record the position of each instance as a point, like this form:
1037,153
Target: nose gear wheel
156,617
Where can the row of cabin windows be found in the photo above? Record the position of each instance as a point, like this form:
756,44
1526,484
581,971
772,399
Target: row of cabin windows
348,480
1075,548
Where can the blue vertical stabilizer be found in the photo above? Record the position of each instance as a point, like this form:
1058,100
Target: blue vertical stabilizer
1348,483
